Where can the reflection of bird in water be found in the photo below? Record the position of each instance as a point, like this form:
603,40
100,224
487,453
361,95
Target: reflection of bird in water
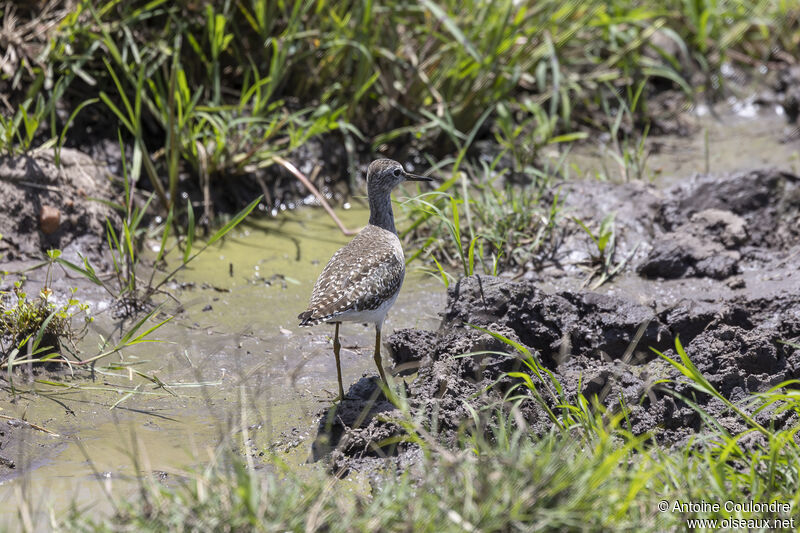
362,280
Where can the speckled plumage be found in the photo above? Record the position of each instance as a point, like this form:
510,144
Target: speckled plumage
362,275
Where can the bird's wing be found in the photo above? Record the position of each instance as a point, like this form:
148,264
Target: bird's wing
354,282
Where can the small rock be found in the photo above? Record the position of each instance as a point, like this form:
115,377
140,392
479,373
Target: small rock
207,308
725,227
736,283
49,219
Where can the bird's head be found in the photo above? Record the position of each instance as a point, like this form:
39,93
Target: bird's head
383,175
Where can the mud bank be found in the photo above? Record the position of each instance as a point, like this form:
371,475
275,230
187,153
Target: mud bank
715,262
46,205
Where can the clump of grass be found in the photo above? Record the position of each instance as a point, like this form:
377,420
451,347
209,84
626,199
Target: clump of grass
487,222
38,331
38,327
603,264
130,284
520,223
41,331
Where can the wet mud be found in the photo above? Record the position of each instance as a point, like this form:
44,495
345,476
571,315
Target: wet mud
6,463
714,261
46,205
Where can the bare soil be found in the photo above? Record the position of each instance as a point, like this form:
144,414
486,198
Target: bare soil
715,262
46,206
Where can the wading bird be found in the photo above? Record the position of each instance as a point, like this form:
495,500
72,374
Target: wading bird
362,280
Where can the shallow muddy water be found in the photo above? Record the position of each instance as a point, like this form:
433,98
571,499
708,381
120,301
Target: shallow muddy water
719,144
234,353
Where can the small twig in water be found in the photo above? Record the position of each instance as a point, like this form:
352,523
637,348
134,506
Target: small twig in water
310,186
25,423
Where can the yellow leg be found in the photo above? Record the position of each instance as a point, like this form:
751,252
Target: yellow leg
378,355
389,394
336,347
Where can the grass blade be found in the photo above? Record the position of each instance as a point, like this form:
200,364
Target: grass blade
234,221
189,231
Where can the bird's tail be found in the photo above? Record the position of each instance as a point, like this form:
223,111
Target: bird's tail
321,313
307,318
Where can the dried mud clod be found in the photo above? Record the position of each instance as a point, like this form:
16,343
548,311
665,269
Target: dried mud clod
719,267
709,227
716,228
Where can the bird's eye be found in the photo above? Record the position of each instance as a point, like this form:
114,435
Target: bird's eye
397,172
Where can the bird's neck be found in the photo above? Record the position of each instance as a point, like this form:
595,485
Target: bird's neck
380,211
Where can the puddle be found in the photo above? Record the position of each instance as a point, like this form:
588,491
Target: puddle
734,142
236,351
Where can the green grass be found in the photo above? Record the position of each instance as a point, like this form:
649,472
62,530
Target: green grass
221,89
217,90
36,327
127,285
37,330
478,219
588,473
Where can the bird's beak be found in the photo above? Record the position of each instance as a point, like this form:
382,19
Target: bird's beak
415,177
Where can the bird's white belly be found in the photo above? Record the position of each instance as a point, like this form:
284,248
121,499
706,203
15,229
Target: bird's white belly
367,316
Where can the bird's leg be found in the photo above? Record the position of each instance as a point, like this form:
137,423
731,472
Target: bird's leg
336,347
389,394
378,354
